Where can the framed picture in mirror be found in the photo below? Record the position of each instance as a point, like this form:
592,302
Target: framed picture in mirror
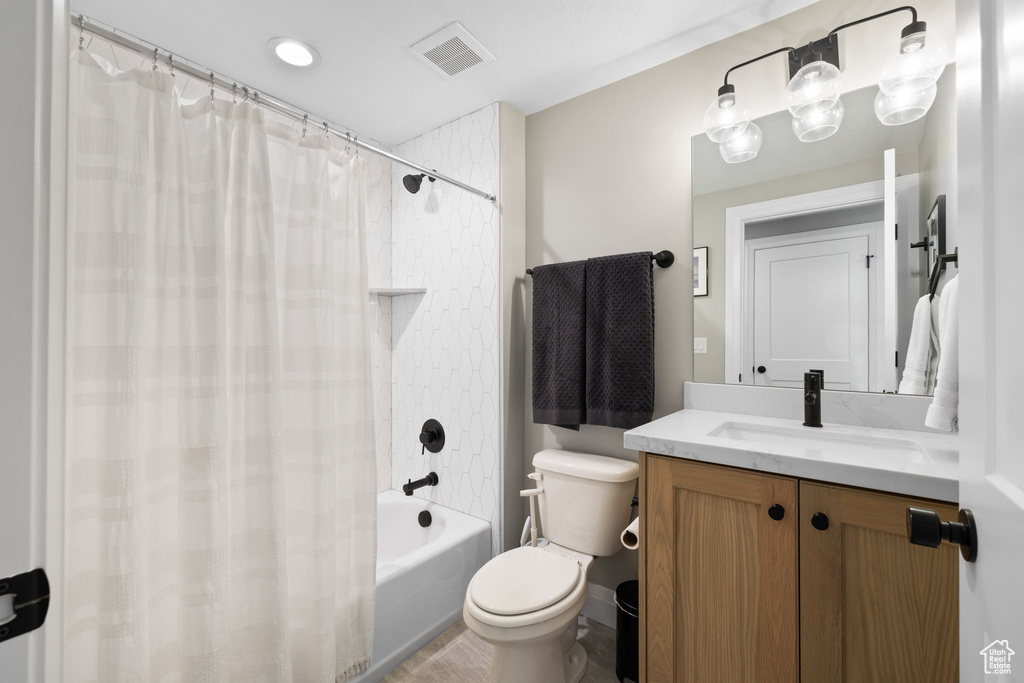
700,271
936,226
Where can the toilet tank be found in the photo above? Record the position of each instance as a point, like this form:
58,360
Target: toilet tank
586,501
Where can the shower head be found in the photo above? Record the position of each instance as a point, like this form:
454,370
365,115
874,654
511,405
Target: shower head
413,182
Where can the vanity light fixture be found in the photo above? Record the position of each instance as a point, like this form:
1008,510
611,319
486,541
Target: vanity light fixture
907,88
294,52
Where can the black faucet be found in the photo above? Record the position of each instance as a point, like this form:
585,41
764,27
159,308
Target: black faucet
813,380
429,480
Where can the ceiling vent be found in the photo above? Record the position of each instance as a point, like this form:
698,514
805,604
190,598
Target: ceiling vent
452,50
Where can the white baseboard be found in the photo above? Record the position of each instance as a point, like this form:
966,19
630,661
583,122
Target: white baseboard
600,605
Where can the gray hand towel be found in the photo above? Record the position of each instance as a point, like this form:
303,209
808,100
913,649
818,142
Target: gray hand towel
620,340
559,328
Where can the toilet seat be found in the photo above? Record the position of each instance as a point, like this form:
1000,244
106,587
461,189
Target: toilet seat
524,580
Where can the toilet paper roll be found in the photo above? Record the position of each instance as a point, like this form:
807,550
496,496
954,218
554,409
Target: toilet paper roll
631,535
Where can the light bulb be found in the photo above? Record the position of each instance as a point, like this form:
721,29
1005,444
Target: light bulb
743,147
819,123
815,87
726,117
904,105
916,65
294,52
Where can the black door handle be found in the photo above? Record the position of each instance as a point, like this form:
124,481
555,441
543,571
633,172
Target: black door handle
819,520
776,512
925,527
761,369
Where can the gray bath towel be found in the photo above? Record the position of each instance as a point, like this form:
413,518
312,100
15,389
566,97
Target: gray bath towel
559,348
620,340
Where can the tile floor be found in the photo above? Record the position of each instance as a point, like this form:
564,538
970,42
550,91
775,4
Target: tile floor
458,656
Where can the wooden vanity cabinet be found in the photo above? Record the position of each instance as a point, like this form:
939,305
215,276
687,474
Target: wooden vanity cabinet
738,585
873,606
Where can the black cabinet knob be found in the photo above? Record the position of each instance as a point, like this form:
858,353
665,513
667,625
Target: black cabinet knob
776,512
819,520
925,527
762,369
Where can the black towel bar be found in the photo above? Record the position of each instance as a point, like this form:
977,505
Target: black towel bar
664,259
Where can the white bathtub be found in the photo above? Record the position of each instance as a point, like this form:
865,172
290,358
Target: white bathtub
422,576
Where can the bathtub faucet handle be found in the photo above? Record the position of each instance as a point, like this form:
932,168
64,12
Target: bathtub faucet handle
431,436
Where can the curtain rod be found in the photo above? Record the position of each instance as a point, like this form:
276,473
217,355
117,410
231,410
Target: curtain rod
262,99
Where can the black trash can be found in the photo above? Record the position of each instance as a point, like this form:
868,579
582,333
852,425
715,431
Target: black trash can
627,631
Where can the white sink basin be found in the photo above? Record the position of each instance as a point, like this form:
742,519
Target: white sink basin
817,442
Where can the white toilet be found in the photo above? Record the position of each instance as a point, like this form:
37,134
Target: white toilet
525,602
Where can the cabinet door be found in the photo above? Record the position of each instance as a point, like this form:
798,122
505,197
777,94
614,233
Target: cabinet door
873,607
720,585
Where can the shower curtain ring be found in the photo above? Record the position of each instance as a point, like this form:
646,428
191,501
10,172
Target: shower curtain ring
326,131
256,98
81,31
212,83
156,54
245,93
234,93
305,118
170,63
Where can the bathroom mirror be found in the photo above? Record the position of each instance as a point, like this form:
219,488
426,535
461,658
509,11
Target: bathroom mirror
809,244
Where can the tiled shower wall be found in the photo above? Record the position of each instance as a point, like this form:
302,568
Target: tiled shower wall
446,354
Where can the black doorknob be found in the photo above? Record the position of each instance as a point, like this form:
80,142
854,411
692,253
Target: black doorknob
776,512
762,369
925,527
819,520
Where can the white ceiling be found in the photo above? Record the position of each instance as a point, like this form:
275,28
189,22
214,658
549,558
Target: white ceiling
547,52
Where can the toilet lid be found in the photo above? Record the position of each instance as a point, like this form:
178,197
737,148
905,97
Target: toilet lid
523,580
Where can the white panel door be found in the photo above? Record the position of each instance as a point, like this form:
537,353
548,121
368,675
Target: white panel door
990,97
811,311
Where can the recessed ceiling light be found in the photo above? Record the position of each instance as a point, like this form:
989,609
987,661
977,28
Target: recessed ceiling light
294,52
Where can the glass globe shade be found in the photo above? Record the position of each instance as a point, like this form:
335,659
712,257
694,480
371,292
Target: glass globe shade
904,106
743,147
726,117
916,65
815,87
819,124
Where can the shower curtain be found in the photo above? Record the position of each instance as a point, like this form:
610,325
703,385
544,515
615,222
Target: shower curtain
221,496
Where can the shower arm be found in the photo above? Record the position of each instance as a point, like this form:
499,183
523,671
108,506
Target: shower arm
261,99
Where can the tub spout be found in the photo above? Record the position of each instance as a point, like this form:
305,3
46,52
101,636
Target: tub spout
429,480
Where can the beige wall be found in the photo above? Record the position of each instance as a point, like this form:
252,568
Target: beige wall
609,172
938,169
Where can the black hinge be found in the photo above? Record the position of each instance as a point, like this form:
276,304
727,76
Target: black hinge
740,380
868,259
897,359
31,592
896,232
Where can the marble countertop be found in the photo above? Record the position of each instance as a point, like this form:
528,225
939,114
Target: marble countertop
911,463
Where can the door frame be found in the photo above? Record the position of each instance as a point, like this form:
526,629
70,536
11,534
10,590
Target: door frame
32,362
876,281
989,172
872,192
